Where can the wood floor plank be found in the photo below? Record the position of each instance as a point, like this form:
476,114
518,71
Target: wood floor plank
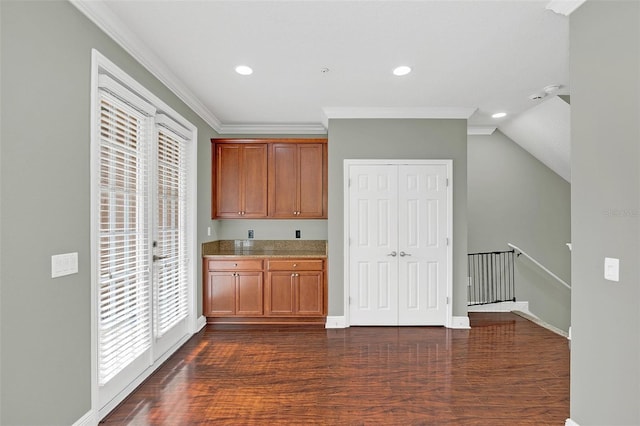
506,370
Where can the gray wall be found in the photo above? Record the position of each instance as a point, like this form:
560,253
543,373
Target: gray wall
605,209
397,139
514,198
44,181
265,229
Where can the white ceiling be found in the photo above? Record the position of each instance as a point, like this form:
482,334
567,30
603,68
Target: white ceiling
474,55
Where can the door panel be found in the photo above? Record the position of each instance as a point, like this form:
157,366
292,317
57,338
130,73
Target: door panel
254,185
249,293
422,236
311,180
228,180
373,223
283,180
309,298
222,290
170,242
280,293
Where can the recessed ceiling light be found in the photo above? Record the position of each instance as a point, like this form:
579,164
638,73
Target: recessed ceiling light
244,70
402,70
499,115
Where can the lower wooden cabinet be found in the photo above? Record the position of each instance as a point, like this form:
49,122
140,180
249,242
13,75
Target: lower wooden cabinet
233,287
294,290
295,287
234,293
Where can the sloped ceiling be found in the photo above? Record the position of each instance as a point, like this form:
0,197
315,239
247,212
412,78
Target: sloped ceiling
544,131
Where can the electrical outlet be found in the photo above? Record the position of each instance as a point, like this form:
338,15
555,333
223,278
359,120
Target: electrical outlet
250,233
298,233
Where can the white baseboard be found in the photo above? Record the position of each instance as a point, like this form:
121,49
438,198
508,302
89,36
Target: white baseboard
89,419
460,323
341,322
336,322
570,422
500,307
200,323
521,308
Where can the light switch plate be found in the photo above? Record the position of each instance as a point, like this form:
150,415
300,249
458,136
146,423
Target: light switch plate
64,264
612,269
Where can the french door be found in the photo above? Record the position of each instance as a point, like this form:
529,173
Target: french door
142,251
398,243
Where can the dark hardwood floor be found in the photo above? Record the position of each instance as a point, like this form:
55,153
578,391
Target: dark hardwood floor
506,370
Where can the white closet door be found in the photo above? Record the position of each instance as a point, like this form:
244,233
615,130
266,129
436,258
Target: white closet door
398,223
422,244
373,243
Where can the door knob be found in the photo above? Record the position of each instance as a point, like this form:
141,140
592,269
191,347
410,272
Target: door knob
403,254
393,254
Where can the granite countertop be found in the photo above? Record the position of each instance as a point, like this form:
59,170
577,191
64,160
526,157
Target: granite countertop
265,248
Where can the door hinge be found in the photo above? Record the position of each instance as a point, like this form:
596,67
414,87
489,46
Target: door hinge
447,300
447,180
447,240
350,300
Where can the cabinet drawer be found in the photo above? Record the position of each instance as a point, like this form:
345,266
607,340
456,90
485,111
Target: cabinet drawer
296,265
235,265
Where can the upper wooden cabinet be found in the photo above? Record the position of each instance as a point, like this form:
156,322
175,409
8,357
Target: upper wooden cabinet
240,181
297,183
274,178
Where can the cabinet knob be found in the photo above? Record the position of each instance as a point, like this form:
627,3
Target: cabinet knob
235,264
239,212
295,265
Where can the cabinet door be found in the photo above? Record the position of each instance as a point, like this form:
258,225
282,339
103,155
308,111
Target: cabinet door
241,181
228,173
249,293
283,180
220,297
311,182
279,296
254,185
310,293
297,180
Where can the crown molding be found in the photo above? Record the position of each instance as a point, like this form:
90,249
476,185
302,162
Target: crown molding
564,7
392,112
480,130
273,129
100,14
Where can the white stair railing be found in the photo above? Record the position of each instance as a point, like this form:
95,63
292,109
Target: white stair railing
540,265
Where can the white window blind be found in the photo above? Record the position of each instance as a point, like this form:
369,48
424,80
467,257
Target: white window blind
124,312
171,301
